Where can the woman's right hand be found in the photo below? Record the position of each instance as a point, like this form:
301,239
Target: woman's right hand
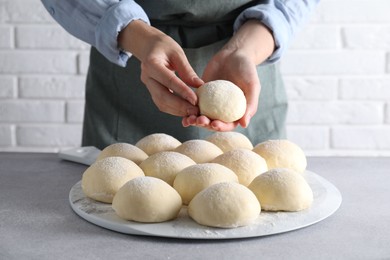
165,69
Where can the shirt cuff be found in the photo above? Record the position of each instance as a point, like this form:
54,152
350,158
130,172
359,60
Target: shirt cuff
114,21
275,20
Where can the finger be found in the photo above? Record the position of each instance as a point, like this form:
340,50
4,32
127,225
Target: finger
252,98
169,103
168,78
220,126
189,120
185,71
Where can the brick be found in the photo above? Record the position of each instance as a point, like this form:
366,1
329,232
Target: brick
306,88
7,87
317,37
333,62
52,87
46,37
75,111
49,135
336,112
377,88
6,37
31,111
5,135
38,62
374,37
23,11
387,113
360,137
309,137
83,63
352,11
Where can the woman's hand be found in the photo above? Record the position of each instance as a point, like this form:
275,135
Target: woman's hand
161,58
251,45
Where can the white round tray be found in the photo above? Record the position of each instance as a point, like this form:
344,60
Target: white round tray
327,199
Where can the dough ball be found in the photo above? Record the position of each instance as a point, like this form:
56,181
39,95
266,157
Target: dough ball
165,165
230,140
222,100
105,177
124,150
147,199
225,205
201,151
158,142
282,189
193,179
246,164
282,154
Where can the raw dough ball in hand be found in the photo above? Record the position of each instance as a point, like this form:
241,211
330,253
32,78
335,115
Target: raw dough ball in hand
282,154
147,199
225,205
222,100
165,165
158,142
201,151
193,179
124,150
282,190
105,177
230,140
245,163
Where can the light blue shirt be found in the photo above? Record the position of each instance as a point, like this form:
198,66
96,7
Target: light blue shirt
98,22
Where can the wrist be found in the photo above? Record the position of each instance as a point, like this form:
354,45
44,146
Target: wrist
254,40
134,36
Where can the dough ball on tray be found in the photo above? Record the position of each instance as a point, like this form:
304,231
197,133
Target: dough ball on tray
124,150
230,140
157,142
282,154
224,205
147,199
193,179
245,163
201,151
165,165
282,189
105,177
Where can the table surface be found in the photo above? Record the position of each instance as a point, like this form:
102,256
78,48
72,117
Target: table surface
37,222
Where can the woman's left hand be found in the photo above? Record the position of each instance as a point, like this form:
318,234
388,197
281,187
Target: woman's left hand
236,61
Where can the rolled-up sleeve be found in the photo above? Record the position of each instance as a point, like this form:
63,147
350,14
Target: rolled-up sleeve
97,22
282,17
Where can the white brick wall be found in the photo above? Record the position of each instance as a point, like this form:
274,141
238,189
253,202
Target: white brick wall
337,74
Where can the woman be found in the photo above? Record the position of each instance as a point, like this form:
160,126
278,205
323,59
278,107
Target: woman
166,46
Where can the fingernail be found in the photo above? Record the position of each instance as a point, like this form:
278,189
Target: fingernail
198,81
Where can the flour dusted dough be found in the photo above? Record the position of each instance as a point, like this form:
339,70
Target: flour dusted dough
225,205
124,150
246,164
230,140
221,99
282,190
157,142
105,177
147,199
165,165
193,179
282,154
201,151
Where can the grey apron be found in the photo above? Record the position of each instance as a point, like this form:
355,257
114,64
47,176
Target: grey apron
119,107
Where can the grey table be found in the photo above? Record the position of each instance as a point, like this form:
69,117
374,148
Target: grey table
36,221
